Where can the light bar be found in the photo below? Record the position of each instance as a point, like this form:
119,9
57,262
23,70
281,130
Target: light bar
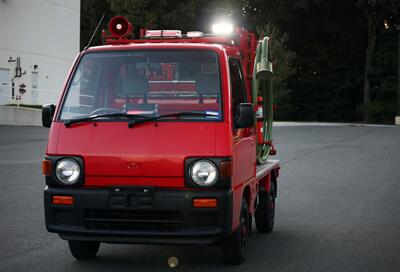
223,28
194,34
153,33
163,34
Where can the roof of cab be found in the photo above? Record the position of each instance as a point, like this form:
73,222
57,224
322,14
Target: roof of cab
162,45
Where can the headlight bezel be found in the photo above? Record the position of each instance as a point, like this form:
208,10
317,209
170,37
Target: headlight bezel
53,180
73,165
195,180
221,183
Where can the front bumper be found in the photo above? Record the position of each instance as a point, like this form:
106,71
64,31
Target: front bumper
139,215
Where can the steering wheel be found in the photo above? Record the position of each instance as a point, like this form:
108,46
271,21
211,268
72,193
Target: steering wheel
104,110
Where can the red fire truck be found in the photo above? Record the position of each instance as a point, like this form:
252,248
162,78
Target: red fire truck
163,139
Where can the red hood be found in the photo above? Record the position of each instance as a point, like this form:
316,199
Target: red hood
147,154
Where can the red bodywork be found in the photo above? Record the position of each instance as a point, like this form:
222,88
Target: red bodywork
153,154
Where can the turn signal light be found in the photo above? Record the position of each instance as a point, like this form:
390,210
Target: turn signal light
46,168
204,203
62,200
226,169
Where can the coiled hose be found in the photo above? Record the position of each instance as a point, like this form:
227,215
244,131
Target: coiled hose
262,86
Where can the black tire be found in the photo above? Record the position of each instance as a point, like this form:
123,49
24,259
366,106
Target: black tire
234,248
265,213
83,250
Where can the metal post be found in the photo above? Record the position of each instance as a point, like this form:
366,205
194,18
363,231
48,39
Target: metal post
397,118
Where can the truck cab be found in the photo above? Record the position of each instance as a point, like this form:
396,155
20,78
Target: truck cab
153,141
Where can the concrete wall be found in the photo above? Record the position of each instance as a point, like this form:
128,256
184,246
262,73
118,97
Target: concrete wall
19,116
44,35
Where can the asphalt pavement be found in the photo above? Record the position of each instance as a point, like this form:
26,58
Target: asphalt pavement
338,209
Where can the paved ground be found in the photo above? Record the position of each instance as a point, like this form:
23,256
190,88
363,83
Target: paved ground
338,209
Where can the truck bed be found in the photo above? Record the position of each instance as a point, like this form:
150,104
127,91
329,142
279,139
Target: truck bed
264,169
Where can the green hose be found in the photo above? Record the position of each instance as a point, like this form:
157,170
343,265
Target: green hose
262,86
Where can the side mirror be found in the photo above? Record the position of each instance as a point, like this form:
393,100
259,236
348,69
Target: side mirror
245,116
47,114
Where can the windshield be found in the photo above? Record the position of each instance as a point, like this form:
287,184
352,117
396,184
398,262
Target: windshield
149,83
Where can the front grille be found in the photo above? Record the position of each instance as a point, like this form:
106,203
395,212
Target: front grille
139,220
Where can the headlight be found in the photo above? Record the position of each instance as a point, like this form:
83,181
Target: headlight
68,171
204,173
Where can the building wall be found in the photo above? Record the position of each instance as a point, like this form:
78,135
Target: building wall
44,35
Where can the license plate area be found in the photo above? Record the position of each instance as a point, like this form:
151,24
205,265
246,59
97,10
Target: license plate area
131,197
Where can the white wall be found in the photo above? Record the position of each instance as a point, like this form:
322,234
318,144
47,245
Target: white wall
40,32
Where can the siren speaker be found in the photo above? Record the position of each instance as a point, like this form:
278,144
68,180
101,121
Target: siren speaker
120,26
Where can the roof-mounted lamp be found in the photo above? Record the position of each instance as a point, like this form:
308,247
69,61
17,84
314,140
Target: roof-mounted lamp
222,28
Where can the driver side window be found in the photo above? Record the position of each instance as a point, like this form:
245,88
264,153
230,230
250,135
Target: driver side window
237,86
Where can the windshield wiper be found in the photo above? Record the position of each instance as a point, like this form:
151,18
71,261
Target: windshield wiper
133,122
69,122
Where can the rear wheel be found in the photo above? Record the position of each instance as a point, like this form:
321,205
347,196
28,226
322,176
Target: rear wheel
265,213
83,250
234,248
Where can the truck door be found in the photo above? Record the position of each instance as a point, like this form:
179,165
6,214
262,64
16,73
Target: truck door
243,139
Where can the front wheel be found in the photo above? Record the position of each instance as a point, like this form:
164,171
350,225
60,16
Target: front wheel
83,250
234,248
265,213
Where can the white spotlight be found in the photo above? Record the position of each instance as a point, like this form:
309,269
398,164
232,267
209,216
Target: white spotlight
224,28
